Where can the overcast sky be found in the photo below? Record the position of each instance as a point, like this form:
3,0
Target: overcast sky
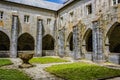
57,1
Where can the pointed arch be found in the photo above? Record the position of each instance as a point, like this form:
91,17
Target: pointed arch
25,42
48,42
70,41
87,40
113,26
113,36
4,41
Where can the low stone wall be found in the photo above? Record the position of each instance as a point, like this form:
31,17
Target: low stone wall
69,54
114,58
48,53
88,56
4,54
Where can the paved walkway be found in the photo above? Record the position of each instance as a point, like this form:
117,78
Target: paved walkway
38,72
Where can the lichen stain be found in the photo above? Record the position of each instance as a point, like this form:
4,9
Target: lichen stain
1,23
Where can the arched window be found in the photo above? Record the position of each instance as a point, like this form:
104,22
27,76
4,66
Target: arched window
88,40
4,42
25,42
70,41
48,42
114,38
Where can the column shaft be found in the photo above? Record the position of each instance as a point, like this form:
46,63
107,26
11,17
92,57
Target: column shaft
98,55
76,43
14,36
61,42
39,38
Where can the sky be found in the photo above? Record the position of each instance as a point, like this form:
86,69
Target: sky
57,1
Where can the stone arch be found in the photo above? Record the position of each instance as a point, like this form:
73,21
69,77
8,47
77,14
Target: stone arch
113,36
70,41
25,42
48,42
4,41
6,32
87,40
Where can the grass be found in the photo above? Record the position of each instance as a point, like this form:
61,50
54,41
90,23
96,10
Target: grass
4,62
82,71
45,60
12,74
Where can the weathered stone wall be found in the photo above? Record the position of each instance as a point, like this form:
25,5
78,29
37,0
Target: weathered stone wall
76,14
31,27
10,9
74,18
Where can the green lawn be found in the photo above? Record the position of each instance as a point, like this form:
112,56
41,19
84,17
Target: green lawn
45,60
4,62
82,71
12,74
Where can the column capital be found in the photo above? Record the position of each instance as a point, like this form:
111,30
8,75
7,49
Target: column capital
96,19
107,44
74,26
39,17
15,13
96,24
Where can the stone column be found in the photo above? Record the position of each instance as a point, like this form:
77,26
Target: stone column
83,50
76,43
61,42
14,36
106,49
98,54
67,50
39,38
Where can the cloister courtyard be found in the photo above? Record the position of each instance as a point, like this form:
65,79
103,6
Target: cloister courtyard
76,40
56,68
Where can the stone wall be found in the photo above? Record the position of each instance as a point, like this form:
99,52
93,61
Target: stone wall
101,17
76,14
10,9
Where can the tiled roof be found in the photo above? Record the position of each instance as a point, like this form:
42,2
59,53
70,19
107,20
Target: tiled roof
39,3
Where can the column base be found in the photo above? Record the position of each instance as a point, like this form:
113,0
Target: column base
13,56
99,61
38,55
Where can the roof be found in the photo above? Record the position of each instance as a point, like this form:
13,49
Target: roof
38,3
68,2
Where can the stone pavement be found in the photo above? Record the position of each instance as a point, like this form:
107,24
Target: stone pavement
38,72
114,78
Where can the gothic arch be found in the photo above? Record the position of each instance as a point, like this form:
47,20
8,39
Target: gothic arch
113,38
87,40
5,31
70,41
48,42
25,42
4,41
110,25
